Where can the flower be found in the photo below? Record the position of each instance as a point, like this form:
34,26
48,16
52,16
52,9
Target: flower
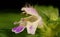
31,22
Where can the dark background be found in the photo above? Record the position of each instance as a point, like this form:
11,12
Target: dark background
17,4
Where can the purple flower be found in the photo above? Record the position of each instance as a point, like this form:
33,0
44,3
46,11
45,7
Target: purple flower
24,23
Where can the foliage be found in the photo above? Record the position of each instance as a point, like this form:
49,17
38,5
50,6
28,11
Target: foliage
50,18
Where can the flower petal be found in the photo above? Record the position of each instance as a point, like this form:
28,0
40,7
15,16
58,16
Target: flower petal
30,10
31,27
18,29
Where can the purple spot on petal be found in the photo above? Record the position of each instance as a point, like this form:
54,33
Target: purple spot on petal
20,29
30,27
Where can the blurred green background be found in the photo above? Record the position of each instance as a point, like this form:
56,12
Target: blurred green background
50,17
